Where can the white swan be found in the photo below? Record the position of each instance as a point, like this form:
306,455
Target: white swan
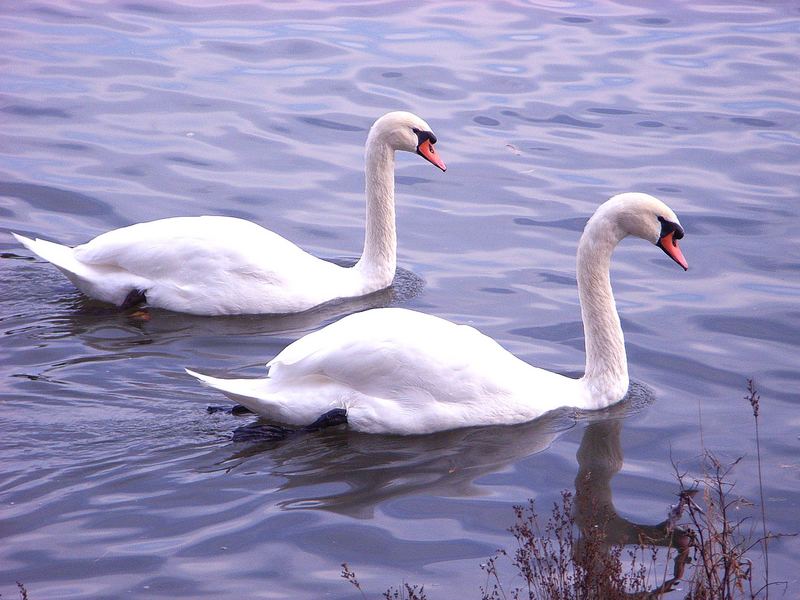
222,265
398,371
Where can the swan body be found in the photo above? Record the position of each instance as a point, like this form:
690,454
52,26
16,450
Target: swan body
212,265
399,371
396,370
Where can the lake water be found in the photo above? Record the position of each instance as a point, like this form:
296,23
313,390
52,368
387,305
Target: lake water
114,480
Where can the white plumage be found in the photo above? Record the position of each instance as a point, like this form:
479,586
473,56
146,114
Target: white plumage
399,371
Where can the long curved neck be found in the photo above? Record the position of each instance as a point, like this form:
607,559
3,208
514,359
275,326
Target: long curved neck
379,259
606,373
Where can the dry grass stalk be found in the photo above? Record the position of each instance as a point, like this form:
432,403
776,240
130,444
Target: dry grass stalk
573,557
722,571
559,562
404,592
754,398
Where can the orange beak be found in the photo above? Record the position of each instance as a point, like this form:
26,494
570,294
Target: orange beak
427,151
670,245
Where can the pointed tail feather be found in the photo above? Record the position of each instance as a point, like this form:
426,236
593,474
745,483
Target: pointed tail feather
299,404
252,393
207,379
108,283
58,254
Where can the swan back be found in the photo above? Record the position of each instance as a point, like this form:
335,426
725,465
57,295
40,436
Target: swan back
401,371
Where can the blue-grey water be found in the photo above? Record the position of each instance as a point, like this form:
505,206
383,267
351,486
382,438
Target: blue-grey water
116,483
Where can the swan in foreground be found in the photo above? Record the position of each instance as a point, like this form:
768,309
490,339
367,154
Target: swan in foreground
393,370
224,266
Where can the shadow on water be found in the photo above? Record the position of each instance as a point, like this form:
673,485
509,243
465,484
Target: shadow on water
364,470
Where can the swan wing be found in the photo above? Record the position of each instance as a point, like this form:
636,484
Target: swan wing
388,349
410,372
215,265
183,247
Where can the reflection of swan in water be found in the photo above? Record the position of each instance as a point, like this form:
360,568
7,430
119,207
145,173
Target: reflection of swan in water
78,332
352,473
365,470
82,315
599,459
374,468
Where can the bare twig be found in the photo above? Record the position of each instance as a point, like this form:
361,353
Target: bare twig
23,593
754,398
351,577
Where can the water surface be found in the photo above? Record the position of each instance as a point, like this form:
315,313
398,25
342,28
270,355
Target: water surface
115,482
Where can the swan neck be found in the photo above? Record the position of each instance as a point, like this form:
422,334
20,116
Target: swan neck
606,374
379,259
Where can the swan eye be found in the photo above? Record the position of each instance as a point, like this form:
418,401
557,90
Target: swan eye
424,135
668,227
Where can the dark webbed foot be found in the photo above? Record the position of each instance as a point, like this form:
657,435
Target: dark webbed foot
134,298
337,416
263,432
236,410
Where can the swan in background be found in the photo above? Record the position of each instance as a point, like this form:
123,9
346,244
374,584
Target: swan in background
223,266
398,371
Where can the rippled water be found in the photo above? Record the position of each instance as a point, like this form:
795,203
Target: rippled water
116,483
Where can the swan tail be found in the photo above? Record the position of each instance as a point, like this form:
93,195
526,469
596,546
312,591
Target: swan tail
300,404
104,282
63,257
58,254
252,393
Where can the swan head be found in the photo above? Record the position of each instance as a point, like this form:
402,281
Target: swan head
647,217
402,130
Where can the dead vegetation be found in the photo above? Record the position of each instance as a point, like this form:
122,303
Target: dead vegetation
586,551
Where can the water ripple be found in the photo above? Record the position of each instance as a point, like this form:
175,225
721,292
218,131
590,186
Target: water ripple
115,480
